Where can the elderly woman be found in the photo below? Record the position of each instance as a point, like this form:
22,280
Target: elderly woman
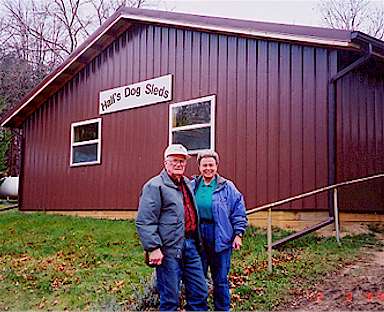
222,224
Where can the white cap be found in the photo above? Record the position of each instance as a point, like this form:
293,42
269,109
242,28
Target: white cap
176,149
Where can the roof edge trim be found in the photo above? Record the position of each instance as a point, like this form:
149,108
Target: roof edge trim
244,31
360,37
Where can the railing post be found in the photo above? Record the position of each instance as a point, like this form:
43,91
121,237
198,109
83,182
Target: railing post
269,239
336,215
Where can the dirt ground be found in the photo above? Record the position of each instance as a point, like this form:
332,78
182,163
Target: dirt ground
357,286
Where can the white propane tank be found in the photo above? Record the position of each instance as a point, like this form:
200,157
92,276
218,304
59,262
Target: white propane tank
9,186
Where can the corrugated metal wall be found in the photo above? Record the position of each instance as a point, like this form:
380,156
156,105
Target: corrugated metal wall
360,139
271,119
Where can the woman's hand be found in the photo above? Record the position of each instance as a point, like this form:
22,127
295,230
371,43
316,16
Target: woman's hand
237,242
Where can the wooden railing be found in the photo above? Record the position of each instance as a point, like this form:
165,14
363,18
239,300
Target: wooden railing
335,219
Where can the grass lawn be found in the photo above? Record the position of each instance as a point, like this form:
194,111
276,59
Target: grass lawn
55,262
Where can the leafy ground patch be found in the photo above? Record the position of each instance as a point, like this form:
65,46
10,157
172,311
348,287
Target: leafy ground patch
54,263
299,264
358,286
57,262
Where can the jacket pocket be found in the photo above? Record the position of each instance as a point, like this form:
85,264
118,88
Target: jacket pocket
169,218
170,231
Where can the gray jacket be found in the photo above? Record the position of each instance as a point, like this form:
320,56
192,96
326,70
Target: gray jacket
160,219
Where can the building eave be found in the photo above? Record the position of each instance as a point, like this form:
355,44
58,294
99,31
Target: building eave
244,29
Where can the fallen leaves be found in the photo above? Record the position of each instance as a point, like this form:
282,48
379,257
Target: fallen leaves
118,285
59,262
68,262
41,305
57,283
61,267
284,257
28,277
235,297
20,261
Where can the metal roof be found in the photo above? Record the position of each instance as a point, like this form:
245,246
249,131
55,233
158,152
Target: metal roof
122,19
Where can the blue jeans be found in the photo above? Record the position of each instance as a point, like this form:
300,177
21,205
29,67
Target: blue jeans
219,264
189,269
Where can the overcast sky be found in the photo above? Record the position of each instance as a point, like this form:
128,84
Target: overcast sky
299,12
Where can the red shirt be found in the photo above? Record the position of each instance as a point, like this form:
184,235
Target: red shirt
190,216
189,210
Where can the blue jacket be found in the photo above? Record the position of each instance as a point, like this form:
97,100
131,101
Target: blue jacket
160,218
228,210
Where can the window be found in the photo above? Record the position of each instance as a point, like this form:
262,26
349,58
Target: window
86,142
192,124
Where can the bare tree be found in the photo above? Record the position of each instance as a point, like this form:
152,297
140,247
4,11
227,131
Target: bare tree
17,77
376,22
47,31
29,34
355,15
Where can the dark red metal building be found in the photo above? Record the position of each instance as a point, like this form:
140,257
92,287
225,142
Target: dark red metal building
266,96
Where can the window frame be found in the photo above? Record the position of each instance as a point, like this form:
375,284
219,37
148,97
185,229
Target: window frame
171,129
74,144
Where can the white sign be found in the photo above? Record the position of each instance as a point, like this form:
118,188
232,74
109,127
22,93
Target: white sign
135,95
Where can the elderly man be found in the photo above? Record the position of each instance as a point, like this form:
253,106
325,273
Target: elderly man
167,223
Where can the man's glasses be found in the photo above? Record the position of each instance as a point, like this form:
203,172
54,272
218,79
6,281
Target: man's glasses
175,162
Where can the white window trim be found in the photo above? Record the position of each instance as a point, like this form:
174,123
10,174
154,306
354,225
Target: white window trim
212,99
191,127
98,141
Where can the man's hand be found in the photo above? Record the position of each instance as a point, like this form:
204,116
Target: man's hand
155,257
237,242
